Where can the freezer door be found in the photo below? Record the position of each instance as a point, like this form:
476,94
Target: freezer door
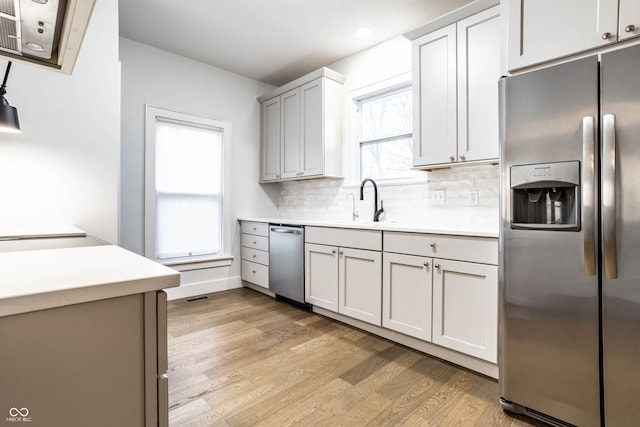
620,104
549,318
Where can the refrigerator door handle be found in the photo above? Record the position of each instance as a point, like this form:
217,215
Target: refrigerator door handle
609,195
588,188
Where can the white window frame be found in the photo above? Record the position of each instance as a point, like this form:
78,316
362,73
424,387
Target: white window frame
152,115
352,151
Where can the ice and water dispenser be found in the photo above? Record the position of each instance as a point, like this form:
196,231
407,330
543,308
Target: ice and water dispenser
546,196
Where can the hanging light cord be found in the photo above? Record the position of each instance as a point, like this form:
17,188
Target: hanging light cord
3,89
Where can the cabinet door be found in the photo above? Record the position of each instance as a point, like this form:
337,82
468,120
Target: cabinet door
465,312
629,19
321,276
360,284
312,146
270,155
434,85
541,30
478,50
406,294
290,155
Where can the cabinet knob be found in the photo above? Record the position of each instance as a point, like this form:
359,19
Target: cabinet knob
426,264
433,245
333,251
437,266
630,28
253,271
254,255
452,159
606,36
340,253
462,157
255,243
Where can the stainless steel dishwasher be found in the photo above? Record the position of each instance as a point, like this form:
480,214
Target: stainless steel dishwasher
286,262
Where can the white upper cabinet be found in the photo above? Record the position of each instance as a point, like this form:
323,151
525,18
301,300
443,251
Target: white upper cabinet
290,128
629,19
302,128
270,144
456,71
542,30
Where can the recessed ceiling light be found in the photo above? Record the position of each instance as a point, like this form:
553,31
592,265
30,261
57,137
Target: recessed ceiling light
363,32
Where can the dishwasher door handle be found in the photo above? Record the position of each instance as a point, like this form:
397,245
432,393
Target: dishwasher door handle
285,230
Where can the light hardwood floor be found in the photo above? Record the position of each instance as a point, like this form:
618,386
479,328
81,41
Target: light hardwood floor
241,358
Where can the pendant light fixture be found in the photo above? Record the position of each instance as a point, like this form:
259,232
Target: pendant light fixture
8,114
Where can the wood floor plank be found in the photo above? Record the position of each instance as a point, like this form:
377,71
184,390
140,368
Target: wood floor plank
243,359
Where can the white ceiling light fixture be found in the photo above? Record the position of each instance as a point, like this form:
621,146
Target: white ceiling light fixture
363,33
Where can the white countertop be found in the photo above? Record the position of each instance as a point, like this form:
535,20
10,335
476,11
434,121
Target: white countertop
455,230
41,279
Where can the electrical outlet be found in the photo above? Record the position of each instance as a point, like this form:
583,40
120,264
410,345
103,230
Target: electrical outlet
437,198
473,197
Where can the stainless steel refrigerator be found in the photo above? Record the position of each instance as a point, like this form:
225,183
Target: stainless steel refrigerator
570,241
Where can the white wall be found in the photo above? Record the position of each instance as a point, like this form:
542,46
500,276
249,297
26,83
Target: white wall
63,167
164,80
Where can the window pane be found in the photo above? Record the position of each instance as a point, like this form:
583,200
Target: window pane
188,159
387,159
386,115
187,225
188,188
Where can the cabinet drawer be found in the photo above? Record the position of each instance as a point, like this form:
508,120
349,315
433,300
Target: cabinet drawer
344,237
482,250
255,242
255,255
255,273
256,228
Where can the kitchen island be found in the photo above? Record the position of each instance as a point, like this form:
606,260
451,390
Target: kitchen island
83,333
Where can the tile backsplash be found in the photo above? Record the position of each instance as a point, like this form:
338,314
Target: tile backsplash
471,198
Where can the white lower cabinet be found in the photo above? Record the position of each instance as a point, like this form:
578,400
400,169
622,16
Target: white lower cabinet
440,289
443,289
344,280
255,253
343,272
359,284
465,307
406,293
321,276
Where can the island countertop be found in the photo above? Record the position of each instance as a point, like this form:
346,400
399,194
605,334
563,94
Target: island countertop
42,279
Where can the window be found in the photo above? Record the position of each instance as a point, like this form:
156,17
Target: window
184,186
385,135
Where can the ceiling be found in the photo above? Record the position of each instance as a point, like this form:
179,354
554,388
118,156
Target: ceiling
273,41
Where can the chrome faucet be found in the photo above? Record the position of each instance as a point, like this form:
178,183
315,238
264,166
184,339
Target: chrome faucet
377,212
354,214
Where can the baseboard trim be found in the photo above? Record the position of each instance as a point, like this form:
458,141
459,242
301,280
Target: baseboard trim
202,288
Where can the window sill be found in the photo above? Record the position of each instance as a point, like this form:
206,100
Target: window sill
199,264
